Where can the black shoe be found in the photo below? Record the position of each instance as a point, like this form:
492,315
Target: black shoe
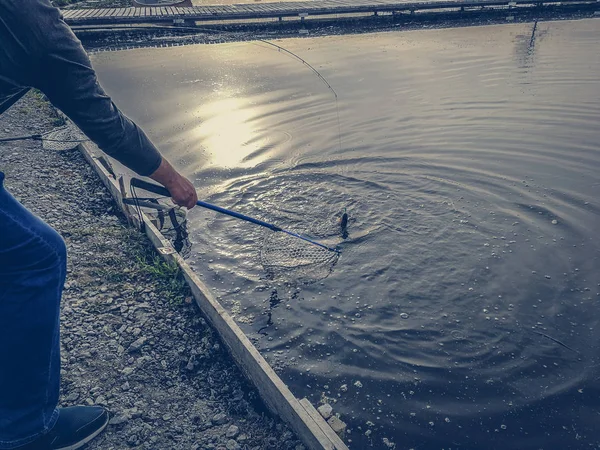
75,427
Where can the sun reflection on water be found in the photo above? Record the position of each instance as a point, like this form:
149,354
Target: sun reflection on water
227,132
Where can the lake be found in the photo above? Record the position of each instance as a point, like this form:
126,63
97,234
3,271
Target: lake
462,311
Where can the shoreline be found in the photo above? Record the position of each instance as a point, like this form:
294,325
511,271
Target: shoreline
132,338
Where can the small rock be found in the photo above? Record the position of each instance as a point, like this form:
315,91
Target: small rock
325,410
337,425
127,370
219,419
118,420
233,445
136,345
232,432
73,396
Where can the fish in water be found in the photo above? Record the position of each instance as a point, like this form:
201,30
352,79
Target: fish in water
344,224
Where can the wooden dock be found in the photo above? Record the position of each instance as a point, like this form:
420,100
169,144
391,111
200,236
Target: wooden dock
189,15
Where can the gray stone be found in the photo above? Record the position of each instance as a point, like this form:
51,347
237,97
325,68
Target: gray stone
337,425
219,419
137,345
73,396
232,432
128,370
325,410
118,420
233,445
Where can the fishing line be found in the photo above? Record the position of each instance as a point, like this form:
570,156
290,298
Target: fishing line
321,77
264,41
554,340
61,138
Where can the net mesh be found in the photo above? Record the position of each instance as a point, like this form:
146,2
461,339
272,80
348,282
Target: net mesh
169,219
65,137
285,256
281,255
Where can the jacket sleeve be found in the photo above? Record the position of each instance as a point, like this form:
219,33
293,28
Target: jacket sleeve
65,75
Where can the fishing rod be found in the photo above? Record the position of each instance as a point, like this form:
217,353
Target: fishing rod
151,187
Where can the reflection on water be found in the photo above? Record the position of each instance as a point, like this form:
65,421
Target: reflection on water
226,125
462,312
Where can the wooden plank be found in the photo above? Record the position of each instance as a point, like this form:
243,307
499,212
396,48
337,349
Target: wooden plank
86,12
276,395
83,13
76,14
94,13
316,416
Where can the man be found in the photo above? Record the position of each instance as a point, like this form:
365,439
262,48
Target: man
37,49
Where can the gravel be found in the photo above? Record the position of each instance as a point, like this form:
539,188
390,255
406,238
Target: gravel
130,340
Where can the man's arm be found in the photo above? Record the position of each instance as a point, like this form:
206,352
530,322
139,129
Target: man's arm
59,66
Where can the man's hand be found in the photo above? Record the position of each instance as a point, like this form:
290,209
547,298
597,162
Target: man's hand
182,190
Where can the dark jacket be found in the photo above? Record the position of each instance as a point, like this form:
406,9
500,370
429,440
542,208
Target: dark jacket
38,49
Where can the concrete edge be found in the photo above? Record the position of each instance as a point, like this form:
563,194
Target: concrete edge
301,416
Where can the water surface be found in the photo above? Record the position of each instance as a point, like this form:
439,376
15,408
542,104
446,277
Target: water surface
463,312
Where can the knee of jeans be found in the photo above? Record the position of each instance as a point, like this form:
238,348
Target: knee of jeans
61,250
57,256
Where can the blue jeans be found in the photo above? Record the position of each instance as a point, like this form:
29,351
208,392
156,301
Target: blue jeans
32,274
